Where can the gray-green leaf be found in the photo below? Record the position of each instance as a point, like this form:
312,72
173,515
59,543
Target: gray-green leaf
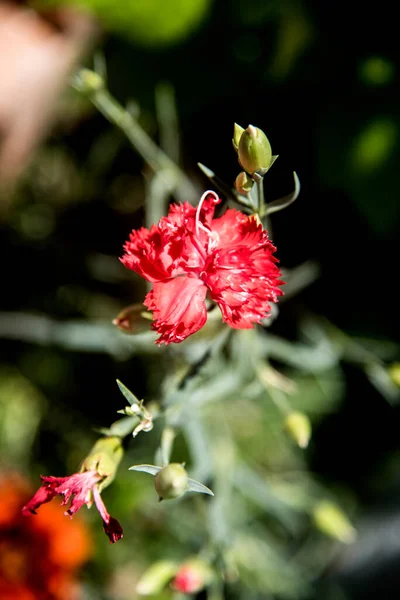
195,486
127,393
151,469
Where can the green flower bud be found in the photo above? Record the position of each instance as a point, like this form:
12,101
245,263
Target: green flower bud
329,519
298,426
156,577
90,81
237,134
243,183
104,458
133,319
394,372
171,482
254,150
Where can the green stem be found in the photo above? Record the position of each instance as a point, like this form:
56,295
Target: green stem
279,399
167,117
262,206
216,591
277,396
140,140
260,193
216,346
167,442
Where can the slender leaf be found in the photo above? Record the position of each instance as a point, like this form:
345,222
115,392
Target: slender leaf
127,393
286,200
195,486
151,469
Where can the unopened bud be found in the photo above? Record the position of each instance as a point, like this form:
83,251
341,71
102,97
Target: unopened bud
394,372
330,519
146,424
192,577
131,411
171,482
90,81
104,458
298,426
156,577
133,319
254,150
243,183
237,134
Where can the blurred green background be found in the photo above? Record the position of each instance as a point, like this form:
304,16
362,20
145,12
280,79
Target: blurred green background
322,80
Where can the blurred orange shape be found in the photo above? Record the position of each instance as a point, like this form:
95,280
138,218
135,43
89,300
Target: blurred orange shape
39,558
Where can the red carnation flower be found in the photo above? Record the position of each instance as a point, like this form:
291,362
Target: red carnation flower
189,253
188,580
80,488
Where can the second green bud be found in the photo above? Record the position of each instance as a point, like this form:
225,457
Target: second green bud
254,150
171,482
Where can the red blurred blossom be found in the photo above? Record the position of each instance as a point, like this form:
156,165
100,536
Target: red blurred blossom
188,580
39,558
189,253
78,489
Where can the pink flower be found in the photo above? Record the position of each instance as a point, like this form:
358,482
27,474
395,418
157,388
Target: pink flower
188,580
80,489
189,253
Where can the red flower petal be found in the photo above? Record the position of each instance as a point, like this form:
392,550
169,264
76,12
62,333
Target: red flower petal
243,281
113,530
148,254
110,525
232,228
178,307
78,488
43,495
188,581
189,251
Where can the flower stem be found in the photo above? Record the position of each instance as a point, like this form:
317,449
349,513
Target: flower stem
215,592
277,396
167,442
260,194
156,158
262,205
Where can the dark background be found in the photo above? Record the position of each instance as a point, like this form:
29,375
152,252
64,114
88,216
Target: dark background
318,100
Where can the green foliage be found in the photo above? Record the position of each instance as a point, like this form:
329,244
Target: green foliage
220,401
377,71
362,159
373,146
149,23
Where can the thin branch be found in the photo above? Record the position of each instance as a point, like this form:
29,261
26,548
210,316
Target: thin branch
156,158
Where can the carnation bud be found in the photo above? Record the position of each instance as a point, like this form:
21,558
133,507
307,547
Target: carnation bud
192,576
243,183
298,426
171,482
90,81
237,134
104,458
330,519
156,577
133,319
254,150
394,372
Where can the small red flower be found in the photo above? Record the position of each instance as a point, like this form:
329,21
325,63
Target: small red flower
188,580
189,253
80,489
